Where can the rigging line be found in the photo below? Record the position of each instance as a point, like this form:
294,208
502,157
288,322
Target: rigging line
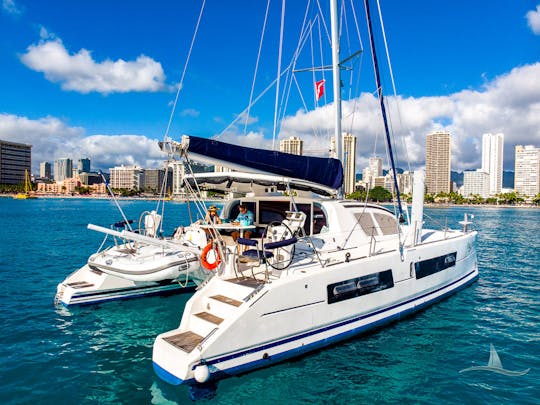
321,54
307,27
381,101
313,77
355,100
328,36
404,145
356,91
184,72
161,199
115,200
280,53
305,35
305,105
240,116
257,64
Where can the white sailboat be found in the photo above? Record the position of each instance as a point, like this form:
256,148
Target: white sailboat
324,269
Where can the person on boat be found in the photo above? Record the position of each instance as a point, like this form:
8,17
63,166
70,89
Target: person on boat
211,217
245,217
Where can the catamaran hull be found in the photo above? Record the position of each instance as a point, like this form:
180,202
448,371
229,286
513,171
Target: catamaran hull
288,335
88,286
147,263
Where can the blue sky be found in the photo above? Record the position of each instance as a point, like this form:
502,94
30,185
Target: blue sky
97,78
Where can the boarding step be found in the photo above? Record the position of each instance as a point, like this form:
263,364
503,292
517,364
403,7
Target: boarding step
186,341
209,317
226,300
80,284
246,281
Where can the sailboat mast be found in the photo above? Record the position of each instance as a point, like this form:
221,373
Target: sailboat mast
336,76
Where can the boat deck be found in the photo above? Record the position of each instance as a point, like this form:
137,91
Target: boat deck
186,341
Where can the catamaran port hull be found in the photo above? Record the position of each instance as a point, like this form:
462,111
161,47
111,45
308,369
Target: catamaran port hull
89,286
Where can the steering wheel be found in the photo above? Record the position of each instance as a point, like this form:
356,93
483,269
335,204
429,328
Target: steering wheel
282,257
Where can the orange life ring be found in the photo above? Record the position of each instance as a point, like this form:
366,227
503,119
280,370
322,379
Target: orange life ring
204,257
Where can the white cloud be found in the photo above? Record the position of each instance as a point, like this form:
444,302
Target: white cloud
533,20
10,7
80,72
52,138
510,104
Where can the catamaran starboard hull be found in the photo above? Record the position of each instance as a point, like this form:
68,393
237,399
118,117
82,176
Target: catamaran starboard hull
267,324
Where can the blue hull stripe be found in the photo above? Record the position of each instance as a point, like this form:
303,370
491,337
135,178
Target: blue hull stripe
171,379
96,298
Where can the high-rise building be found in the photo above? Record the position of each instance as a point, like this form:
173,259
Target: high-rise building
371,172
476,183
349,163
63,169
45,170
348,148
438,160
492,160
15,159
292,145
527,170
83,165
178,173
153,180
127,177
375,166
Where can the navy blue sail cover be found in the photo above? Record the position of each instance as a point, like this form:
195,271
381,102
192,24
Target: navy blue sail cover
325,171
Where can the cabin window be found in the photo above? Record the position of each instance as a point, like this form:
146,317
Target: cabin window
235,210
431,266
306,209
387,223
366,222
356,287
270,211
319,219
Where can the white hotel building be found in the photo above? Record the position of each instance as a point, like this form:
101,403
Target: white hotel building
492,161
476,183
127,177
527,170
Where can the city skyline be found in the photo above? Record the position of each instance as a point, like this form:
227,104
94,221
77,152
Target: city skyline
458,85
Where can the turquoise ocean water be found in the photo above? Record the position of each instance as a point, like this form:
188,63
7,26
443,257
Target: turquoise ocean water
103,354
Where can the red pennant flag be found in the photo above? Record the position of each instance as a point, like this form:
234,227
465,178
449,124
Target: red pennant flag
319,88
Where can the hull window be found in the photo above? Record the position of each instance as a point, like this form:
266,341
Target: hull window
355,287
431,266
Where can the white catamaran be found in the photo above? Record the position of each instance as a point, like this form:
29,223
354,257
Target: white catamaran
136,262
319,269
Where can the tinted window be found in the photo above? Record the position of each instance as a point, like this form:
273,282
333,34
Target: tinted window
355,287
306,209
319,219
431,266
272,211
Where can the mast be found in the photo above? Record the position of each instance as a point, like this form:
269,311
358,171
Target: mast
336,76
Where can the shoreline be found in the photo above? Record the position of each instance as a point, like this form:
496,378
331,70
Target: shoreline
151,198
